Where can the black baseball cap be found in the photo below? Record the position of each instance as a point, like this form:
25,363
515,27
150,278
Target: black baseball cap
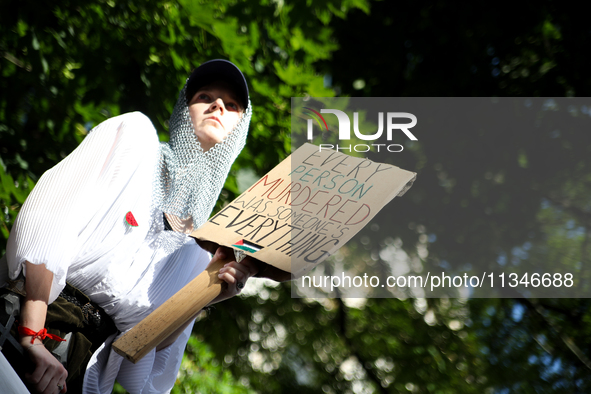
214,70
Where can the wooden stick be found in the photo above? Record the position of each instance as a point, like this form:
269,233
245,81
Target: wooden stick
171,315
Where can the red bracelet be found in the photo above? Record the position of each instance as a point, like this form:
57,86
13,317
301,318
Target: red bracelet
41,334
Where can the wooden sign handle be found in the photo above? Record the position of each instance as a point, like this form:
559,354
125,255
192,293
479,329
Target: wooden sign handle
170,316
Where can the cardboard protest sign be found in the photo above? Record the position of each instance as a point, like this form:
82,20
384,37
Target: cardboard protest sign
306,208
293,218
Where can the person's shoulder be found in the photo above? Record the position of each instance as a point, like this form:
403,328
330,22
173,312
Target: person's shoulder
136,121
131,125
135,116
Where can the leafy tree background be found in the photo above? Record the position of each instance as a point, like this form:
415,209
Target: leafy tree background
67,65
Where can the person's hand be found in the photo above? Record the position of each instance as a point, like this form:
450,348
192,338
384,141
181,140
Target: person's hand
49,374
234,273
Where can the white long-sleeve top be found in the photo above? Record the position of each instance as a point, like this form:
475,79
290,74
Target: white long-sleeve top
74,222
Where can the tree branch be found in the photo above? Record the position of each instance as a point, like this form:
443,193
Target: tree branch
556,330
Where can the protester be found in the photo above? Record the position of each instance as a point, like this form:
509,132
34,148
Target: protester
102,240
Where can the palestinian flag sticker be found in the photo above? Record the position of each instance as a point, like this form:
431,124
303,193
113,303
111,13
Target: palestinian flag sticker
129,219
247,246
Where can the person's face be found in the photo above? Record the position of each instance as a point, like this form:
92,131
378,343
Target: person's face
214,110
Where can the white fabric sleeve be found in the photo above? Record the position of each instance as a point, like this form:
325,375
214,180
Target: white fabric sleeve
68,195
